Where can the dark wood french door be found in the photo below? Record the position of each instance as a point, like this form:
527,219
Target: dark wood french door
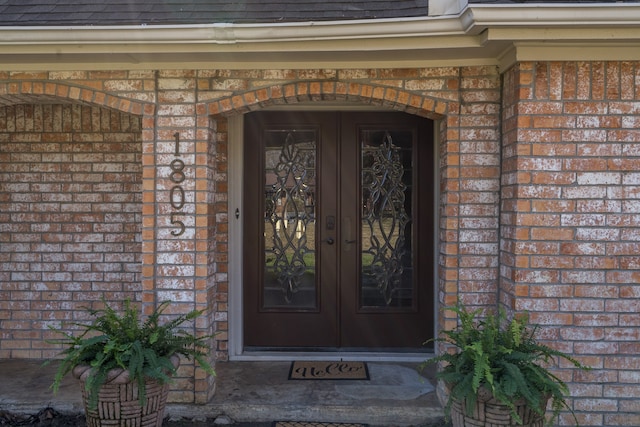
338,230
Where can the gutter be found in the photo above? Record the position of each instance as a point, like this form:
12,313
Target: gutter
566,15
479,34
223,33
471,21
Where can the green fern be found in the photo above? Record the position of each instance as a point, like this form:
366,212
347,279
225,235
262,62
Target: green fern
114,340
504,357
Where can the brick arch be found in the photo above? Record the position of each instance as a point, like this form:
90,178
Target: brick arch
39,92
318,91
298,93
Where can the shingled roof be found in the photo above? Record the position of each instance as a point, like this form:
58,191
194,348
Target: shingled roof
154,12
175,12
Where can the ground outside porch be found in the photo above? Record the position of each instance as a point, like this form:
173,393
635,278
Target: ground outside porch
247,394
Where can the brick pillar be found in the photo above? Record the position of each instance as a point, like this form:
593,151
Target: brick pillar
570,239
176,215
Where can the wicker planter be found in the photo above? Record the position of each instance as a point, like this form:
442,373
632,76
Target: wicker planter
118,401
490,413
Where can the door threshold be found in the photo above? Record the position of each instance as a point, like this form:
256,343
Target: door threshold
286,356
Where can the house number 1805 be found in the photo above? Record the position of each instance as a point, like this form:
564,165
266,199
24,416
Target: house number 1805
176,194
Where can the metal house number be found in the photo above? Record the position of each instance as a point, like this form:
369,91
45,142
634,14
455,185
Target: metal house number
176,194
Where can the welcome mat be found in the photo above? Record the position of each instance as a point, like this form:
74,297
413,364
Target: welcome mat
313,370
312,424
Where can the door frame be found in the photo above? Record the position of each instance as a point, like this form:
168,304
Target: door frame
235,280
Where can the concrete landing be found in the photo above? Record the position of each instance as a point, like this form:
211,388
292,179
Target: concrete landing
396,395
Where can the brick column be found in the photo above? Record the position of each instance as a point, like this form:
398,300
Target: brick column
570,239
176,220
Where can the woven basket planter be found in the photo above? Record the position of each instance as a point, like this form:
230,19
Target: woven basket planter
119,403
488,412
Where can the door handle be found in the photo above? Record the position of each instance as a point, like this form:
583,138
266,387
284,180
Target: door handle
329,241
348,231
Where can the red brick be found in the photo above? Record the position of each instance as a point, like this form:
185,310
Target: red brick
569,151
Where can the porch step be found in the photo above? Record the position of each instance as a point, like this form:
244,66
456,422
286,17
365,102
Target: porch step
396,395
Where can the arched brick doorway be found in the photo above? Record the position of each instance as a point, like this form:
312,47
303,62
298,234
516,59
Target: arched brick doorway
224,121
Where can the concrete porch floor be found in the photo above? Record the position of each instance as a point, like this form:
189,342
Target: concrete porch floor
396,395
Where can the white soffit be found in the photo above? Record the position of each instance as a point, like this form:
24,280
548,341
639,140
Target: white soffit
495,34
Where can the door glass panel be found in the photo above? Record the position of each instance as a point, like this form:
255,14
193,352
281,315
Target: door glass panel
386,227
289,219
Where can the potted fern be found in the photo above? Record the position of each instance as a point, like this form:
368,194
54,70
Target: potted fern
498,373
124,363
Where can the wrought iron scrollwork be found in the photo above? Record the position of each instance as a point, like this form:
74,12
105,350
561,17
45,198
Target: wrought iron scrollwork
290,208
385,220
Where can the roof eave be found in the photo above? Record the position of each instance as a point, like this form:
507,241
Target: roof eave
479,34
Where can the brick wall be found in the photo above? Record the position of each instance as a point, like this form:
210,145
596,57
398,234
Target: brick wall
542,217
70,218
193,105
570,223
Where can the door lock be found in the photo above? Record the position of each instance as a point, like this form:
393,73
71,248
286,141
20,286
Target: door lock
330,222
